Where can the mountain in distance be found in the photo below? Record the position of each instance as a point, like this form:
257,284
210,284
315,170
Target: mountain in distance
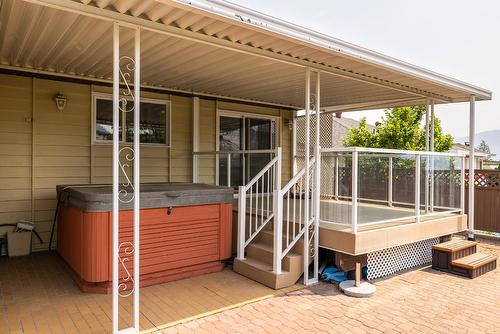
492,138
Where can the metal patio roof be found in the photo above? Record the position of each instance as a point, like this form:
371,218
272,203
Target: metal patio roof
213,47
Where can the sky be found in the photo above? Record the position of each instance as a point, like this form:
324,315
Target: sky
457,38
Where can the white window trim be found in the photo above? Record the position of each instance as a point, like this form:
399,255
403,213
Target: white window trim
107,96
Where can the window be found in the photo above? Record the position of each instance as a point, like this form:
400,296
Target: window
238,131
154,121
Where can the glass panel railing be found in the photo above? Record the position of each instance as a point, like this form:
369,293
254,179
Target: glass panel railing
336,188
391,186
386,188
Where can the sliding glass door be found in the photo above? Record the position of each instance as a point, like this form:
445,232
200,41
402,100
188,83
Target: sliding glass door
242,133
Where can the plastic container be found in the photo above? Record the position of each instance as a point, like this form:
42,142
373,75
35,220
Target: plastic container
18,243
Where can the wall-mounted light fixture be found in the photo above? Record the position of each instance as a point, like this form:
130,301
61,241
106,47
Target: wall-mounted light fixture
60,101
290,124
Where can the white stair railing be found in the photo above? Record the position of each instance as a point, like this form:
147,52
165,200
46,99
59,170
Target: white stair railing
289,203
255,203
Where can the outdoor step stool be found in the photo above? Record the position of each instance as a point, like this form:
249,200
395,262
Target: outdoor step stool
443,254
474,265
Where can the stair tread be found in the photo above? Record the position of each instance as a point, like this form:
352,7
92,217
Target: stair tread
474,261
269,248
258,264
454,245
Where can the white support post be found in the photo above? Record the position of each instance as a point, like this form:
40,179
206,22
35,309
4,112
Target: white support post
389,186
417,188
427,139
278,217
196,137
137,171
354,195
116,175
242,202
431,146
462,187
472,167
306,176
317,178
229,169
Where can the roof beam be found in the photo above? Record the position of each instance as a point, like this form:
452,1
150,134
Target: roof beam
132,21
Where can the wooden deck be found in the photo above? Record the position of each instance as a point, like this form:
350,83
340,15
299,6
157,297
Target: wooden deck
37,295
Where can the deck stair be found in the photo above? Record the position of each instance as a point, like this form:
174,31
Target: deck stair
258,263
460,257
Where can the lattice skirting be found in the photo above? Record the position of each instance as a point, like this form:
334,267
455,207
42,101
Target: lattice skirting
391,260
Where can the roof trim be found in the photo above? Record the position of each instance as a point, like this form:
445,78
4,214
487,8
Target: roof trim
132,21
266,22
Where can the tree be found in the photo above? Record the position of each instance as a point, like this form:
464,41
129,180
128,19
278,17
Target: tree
401,128
484,147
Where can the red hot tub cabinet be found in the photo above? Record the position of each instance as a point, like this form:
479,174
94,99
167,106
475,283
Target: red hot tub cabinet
185,231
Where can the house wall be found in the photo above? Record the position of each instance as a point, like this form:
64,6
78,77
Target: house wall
64,152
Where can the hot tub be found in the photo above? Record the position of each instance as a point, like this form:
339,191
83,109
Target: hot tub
185,231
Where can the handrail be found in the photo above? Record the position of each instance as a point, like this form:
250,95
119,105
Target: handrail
228,154
262,172
234,152
261,207
424,170
296,177
388,151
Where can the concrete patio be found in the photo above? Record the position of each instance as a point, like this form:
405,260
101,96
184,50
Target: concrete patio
419,301
37,295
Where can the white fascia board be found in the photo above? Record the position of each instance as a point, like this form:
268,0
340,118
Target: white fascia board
251,17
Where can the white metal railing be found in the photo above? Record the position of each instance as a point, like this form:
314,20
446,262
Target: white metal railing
256,203
355,176
289,209
208,161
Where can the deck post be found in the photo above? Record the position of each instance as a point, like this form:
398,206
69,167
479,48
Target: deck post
242,202
472,167
390,177
354,194
278,217
317,178
427,148
417,188
432,171
336,177
307,155
462,187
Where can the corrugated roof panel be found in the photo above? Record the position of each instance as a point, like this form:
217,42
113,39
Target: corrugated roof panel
65,42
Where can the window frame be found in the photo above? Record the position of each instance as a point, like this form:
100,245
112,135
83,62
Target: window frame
243,114
123,139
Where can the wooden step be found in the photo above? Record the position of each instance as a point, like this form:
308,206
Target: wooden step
444,253
267,237
474,265
264,252
263,273
454,245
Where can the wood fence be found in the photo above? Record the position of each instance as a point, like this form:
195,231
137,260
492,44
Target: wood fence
486,200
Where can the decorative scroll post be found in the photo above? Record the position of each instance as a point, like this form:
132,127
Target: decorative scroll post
126,100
